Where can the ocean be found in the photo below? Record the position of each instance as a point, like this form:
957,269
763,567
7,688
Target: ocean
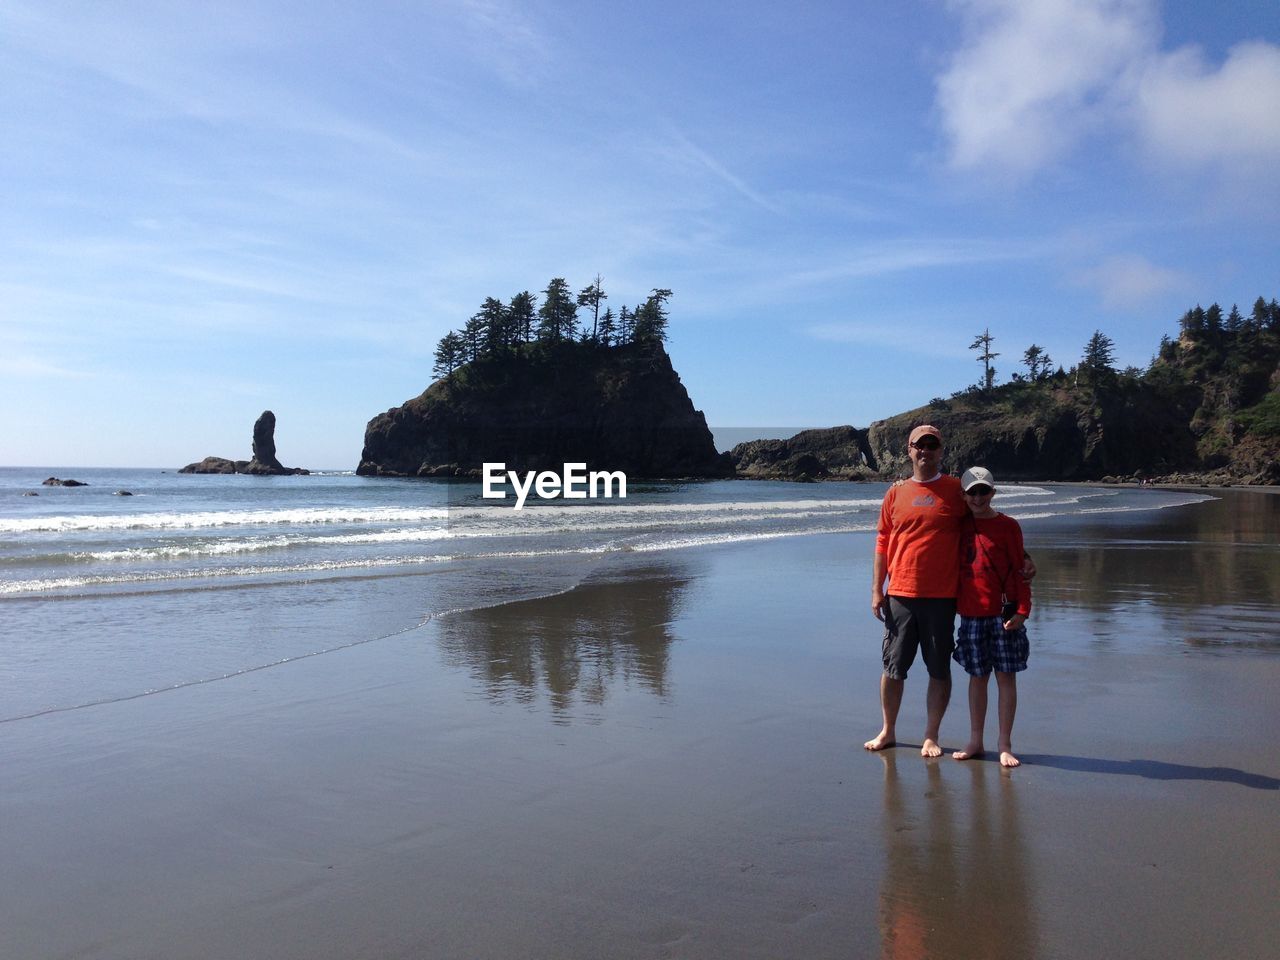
196,578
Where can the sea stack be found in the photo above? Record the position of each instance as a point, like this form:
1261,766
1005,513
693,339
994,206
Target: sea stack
619,408
264,462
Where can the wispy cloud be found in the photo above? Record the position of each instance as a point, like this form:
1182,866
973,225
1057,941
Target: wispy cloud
906,256
250,281
886,333
1130,280
505,37
685,150
229,71
24,366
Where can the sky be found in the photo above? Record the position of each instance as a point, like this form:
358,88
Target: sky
210,210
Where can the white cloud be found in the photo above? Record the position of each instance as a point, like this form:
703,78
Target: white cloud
1130,280
1194,113
1034,79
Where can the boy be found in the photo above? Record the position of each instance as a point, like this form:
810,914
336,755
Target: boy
994,603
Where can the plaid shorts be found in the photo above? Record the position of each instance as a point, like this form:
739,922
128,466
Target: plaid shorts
982,643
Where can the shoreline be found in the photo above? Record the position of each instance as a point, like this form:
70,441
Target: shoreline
1187,485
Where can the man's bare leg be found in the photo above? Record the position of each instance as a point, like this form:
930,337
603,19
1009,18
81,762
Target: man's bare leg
890,703
1007,686
977,718
936,701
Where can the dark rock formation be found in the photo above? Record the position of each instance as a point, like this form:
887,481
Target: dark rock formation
122,493
620,408
1117,430
55,482
216,465
264,462
836,453
264,439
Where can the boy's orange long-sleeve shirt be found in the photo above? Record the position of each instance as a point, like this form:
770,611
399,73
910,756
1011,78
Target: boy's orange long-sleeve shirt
992,567
919,534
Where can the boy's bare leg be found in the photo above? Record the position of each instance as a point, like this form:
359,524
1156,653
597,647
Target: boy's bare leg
977,718
936,701
1007,685
890,703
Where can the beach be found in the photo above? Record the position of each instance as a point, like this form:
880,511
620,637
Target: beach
655,753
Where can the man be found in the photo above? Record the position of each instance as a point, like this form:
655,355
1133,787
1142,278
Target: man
918,546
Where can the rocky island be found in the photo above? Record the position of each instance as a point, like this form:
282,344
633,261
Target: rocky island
538,386
616,408
834,453
264,462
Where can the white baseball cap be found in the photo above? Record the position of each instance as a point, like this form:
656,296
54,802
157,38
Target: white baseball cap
977,477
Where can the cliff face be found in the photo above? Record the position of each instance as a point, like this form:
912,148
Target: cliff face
1060,433
621,408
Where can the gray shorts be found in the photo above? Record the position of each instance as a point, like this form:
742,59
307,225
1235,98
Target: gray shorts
926,624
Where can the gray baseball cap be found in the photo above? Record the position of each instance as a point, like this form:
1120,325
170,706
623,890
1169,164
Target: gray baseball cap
977,477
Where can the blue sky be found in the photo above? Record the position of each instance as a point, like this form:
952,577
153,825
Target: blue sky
214,209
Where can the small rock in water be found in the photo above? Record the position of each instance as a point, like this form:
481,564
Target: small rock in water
122,493
31,493
55,482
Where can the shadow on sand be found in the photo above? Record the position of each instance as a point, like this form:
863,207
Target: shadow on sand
1151,770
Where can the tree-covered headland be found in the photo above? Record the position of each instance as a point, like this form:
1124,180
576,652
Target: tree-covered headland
1209,400
1205,409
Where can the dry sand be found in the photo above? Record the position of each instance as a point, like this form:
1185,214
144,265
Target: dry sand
666,762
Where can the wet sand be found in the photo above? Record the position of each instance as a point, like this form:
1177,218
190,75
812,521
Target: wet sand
666,761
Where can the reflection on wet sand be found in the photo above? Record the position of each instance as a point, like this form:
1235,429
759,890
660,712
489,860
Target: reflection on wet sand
575,646
956,881
1181,565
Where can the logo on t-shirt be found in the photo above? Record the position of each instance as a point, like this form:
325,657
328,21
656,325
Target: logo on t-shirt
924,500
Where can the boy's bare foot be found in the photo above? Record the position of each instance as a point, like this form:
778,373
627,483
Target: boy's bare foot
881,741
1007,759
930,748
974,749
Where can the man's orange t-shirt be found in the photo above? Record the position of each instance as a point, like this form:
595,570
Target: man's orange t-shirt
919,534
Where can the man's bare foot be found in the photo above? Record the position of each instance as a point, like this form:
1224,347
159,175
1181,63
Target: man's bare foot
974,749
930,748
881,741
1007,759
